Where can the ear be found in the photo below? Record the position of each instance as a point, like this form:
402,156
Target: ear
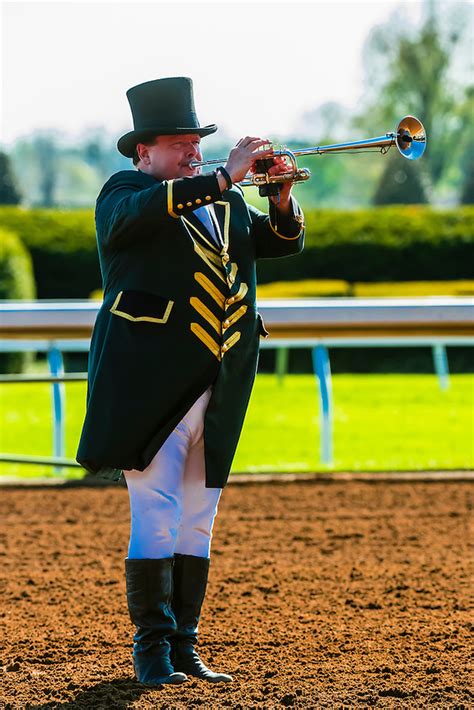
142,151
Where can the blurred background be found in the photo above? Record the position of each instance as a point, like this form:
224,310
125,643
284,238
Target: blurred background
300,74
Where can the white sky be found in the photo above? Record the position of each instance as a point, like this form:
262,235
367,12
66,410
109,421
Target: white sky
256,66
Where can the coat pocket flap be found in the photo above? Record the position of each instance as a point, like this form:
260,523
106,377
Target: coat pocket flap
142,306
261,327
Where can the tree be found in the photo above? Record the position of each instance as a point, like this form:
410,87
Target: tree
336,177
9,192
466,147
46,149
401,183
467,194
422,71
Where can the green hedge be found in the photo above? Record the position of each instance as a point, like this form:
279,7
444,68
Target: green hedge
382,244
16,283
63,247
402,243
16,271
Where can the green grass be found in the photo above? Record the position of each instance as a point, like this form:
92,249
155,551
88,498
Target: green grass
381,422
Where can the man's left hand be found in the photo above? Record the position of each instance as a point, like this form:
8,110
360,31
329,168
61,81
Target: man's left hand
283,203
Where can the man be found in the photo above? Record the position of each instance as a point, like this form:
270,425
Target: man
174,354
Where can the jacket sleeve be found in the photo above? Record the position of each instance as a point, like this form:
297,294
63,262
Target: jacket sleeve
128,209
277,235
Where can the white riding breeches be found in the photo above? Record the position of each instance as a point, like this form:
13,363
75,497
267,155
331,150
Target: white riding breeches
171,509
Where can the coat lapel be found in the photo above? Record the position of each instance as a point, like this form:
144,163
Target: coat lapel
222,212
200,232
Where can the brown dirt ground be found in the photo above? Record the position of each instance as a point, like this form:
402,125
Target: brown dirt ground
321,595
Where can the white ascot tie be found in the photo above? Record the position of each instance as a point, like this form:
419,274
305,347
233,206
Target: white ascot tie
203,214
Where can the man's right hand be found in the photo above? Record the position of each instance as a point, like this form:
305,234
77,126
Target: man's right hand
243,156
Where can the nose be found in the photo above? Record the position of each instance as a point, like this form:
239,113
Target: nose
194,151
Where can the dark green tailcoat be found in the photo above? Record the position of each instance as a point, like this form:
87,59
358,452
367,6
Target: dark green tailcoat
178,315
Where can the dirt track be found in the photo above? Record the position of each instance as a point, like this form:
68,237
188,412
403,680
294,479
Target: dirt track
321,595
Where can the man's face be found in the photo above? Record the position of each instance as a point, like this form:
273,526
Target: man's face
169,156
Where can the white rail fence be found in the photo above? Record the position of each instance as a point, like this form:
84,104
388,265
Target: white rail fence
56,327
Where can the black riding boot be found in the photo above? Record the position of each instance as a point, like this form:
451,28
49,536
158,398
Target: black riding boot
190,582
149,595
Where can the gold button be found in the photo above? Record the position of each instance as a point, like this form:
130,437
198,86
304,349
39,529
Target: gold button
226,324
208,197
180,206
198,201
225,258
230,300
225,347
189,204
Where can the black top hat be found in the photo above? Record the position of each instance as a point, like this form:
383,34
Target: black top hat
161,107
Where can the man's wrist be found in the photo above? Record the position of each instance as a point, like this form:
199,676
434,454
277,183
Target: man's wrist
284,207
227,177
222,181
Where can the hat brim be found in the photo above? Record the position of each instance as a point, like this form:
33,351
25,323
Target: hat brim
127,143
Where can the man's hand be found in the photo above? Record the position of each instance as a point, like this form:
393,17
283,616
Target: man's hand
283,203
242,160
244,155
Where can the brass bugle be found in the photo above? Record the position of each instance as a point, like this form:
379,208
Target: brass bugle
409,138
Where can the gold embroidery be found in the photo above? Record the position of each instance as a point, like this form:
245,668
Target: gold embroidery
149,319
208,286
213,257
231,275
206,339
241,293
288,238
226,206
234,338
208,315
170,199
116,302
200,251
235,316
